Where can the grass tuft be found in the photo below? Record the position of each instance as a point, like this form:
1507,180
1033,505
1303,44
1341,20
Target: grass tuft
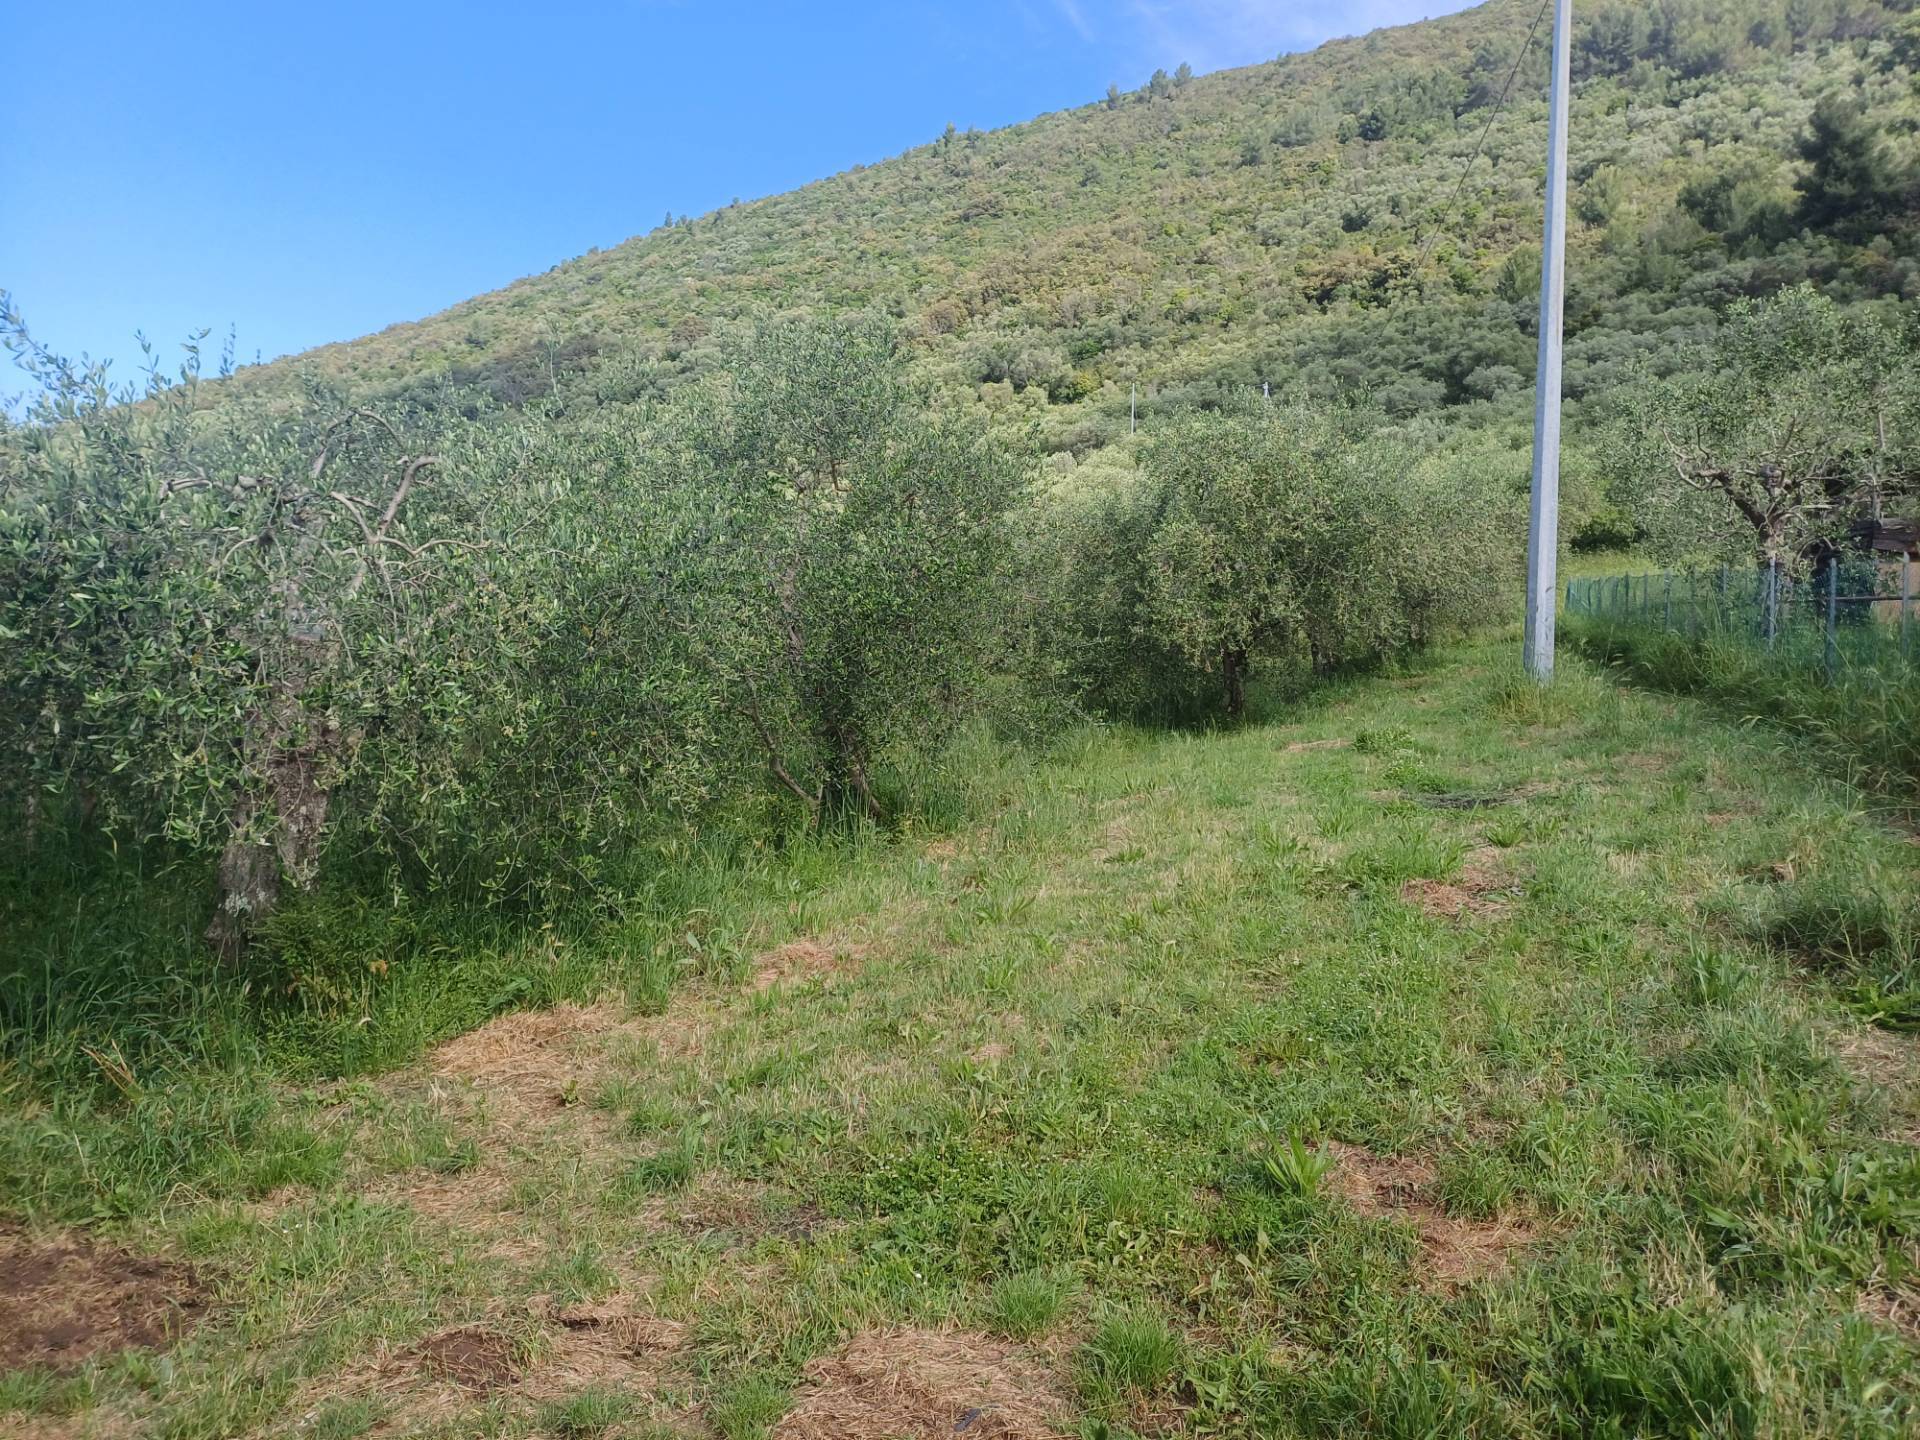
1027,1303
1134,1349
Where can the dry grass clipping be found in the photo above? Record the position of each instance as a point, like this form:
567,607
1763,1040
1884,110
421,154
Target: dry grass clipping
602,1343
435,1381
1398,1187
1877,1057
922,1384
86,1425
1898,1309
1887,1064
801,960
523,1078
531,1061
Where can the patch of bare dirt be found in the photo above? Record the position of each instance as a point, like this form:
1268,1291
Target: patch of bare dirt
1400,1187
65,1300
923,1384
474,1358
1478,892
801,960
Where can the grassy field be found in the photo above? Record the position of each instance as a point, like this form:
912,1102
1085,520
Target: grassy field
1435,1057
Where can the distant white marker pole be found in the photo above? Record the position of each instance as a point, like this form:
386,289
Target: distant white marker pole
1543,533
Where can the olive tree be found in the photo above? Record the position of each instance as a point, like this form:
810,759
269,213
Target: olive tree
1799,419
1262,537
210,615
849,544
598,716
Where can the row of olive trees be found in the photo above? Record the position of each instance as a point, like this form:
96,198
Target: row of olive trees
1275,538
490,651
494,652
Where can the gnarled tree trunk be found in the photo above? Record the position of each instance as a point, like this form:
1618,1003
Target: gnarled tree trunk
1233,667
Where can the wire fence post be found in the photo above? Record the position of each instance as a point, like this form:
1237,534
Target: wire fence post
1906,596
1773,599
1666,600
1833,618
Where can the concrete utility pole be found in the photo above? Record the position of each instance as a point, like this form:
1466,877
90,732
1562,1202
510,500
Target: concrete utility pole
1543,532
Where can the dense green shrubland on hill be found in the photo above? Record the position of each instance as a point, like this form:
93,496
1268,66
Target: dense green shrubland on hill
1290,222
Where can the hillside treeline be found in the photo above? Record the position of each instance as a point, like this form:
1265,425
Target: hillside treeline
447,647
1329,220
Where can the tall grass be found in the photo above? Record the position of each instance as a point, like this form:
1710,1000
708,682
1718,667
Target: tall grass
106,984
1863,717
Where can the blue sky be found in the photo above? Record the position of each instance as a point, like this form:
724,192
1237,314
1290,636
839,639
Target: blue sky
306,173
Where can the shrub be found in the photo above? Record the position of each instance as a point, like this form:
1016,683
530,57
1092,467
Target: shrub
1267,538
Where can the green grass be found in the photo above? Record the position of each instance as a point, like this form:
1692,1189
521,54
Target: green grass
1026,1303
1049,1089
1864,720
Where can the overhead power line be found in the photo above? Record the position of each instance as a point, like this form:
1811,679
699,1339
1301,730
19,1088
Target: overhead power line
1487,129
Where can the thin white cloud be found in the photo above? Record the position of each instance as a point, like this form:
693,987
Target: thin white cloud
1212,34
1077,18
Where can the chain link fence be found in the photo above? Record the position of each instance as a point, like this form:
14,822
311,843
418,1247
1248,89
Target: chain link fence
1846,612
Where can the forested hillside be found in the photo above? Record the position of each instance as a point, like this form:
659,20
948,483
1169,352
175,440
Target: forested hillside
1301,222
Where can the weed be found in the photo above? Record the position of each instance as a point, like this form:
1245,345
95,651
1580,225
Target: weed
1711,975
748,1407
1295,1168
1383,740
668,1169
590,1413
577,1273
